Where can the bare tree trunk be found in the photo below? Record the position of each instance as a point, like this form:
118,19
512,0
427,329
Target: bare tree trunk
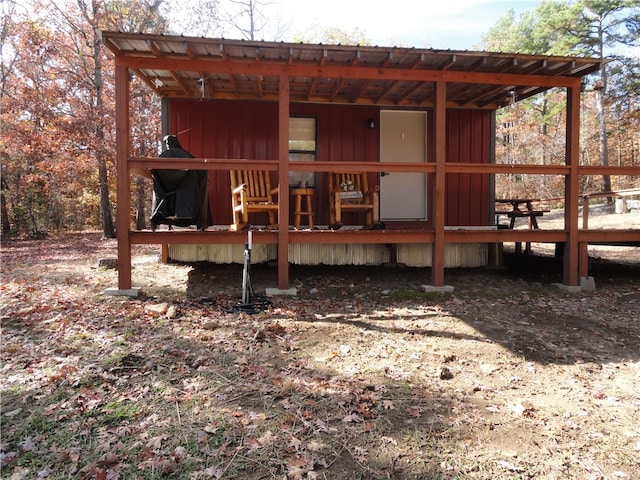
5,72
4,211
602,118
604,148
108,228
141,197
141,221
544,131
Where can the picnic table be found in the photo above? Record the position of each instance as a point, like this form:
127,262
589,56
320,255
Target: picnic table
521,208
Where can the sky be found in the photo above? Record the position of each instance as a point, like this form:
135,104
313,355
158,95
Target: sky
442,24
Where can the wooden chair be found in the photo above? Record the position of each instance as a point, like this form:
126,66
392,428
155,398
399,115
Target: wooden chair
349,192
251,192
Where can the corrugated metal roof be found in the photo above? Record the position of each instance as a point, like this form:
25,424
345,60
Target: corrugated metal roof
177,66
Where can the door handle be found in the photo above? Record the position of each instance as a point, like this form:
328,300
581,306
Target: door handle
384,174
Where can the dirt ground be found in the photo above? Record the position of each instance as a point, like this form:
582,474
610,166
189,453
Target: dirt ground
362,375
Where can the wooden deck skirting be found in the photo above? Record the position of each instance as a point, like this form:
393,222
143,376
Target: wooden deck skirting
456,255
456,235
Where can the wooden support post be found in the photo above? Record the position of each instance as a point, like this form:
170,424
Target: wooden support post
283,182
123,189
583,248
440,112
583,259
572,186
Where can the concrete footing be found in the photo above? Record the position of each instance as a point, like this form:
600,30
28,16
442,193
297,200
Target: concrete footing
568,288
274,292
588,284
123,292
433,289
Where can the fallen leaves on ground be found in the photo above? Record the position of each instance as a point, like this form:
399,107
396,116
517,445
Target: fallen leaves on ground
509,377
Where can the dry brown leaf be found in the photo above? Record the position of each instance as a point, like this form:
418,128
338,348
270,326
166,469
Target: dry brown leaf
360,452
108,459
156,442
388,405
266,439
297,467
315,445
295,443
352,418
180,453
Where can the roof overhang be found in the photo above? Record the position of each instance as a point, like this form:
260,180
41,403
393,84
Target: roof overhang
203,68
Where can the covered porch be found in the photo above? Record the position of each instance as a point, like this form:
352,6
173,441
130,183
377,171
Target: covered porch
293,78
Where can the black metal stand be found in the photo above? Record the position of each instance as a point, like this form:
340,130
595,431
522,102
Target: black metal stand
249,303
246,279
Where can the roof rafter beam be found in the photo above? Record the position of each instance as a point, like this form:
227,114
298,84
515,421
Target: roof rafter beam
531,91
151,84
356,58
460,95
511,95
153,46
189,50
507,64
569,67
537,66
387,60
312,87
419,59
337,89
410,91
481,62
362,89
180,81
112,45
386,91
314,80
234,84
449,63
325,55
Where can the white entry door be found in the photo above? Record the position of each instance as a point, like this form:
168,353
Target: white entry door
403,138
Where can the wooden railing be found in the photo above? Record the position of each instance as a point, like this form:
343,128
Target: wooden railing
632,192
569,234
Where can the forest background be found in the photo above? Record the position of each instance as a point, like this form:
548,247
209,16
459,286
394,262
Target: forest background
57,111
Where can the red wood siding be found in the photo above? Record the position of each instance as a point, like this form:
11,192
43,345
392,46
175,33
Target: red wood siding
233,129
225,129
468,141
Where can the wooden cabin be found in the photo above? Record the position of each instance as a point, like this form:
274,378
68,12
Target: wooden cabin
419,124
